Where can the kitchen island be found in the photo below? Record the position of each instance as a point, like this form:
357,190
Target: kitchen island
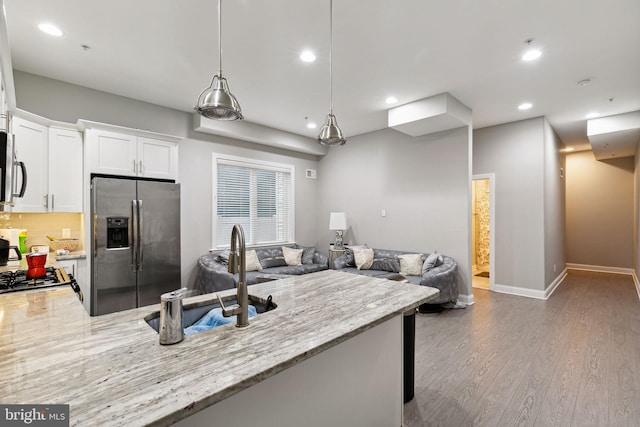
112,370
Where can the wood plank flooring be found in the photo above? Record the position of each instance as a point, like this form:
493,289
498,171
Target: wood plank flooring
573,360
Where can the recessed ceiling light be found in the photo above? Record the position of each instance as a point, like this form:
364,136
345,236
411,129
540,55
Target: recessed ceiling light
311,125
568,149
532,54
391,100
307,56
591,115
584,82
50,29
525,106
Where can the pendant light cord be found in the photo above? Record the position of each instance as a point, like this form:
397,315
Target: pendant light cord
220,38
330,56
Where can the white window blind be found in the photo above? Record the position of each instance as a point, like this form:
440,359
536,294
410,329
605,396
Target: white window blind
256,195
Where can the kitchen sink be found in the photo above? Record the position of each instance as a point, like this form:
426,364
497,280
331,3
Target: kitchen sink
192,312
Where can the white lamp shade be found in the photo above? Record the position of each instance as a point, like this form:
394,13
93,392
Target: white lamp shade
338,221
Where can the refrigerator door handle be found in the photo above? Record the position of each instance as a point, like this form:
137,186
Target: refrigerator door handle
140,234
134,235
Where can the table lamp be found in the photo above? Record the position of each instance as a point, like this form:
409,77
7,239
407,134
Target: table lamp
338,222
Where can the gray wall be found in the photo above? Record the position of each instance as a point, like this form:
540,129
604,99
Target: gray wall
514,153
65,102
600,209
422,183
554,205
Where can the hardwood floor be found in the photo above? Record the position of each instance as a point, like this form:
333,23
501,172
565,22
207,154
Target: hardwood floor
573,360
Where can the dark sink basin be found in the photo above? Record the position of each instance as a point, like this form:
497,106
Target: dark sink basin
192,312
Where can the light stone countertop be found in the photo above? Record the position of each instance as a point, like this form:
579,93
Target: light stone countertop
112,370
70,255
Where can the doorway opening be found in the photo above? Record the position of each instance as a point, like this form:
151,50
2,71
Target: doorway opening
482,231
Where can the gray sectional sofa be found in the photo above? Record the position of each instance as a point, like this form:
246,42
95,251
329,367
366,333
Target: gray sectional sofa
386,264
212,274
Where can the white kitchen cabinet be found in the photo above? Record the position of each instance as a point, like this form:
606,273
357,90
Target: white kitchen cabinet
129,154
31,148
65,170
53,160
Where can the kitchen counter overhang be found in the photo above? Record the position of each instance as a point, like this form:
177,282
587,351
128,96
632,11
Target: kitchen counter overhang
112,370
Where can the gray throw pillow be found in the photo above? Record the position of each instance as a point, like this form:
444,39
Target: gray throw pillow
223,257
307,254
433,260
271,257
386,264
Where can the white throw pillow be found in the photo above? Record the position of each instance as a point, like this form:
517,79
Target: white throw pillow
410,264
292,256
251,261
363,258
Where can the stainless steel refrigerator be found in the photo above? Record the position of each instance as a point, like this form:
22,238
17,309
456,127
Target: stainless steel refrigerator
135,247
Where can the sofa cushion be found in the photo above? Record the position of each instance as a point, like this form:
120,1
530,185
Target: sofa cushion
292,256
252,263
433,260
410,264
271,257
348,252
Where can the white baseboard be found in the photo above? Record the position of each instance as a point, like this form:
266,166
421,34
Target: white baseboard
531,293
600,268
467,299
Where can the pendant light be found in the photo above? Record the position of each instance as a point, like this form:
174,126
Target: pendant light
330,133
216,102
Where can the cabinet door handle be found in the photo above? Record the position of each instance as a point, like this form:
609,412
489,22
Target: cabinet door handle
141,168
135,167
46,201
53,202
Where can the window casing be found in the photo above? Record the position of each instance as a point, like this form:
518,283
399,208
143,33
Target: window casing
255,194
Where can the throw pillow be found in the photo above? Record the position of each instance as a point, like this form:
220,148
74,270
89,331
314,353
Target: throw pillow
433,260
223,257
363,258
348,252
251,261
307,254
292,256
386,264
271,257
410,264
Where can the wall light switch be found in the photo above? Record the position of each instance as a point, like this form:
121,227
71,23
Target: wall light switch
384,213
66,233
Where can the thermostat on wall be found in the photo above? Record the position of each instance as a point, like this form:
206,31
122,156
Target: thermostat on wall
311,173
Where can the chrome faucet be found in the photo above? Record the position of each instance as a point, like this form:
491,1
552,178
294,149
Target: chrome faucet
237,264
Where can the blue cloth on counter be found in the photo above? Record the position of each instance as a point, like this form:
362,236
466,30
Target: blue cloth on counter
212,319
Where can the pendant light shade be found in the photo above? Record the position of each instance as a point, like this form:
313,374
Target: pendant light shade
330,132
216,102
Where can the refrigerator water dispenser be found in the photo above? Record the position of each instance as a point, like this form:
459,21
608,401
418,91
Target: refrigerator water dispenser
117,232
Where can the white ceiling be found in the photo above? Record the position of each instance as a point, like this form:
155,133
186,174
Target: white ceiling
165,52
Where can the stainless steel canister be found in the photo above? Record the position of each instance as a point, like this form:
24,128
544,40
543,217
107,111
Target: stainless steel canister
171,331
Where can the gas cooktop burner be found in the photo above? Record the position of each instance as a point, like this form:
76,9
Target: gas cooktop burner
11,281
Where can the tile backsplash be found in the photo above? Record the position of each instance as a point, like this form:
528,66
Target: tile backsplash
39,225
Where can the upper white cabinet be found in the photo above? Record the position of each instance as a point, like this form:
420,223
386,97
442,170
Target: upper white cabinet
31,148
53,158
113,150
65,170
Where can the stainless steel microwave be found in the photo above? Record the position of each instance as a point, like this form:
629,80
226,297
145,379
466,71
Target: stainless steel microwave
10,170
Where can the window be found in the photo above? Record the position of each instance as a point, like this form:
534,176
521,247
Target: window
257,195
